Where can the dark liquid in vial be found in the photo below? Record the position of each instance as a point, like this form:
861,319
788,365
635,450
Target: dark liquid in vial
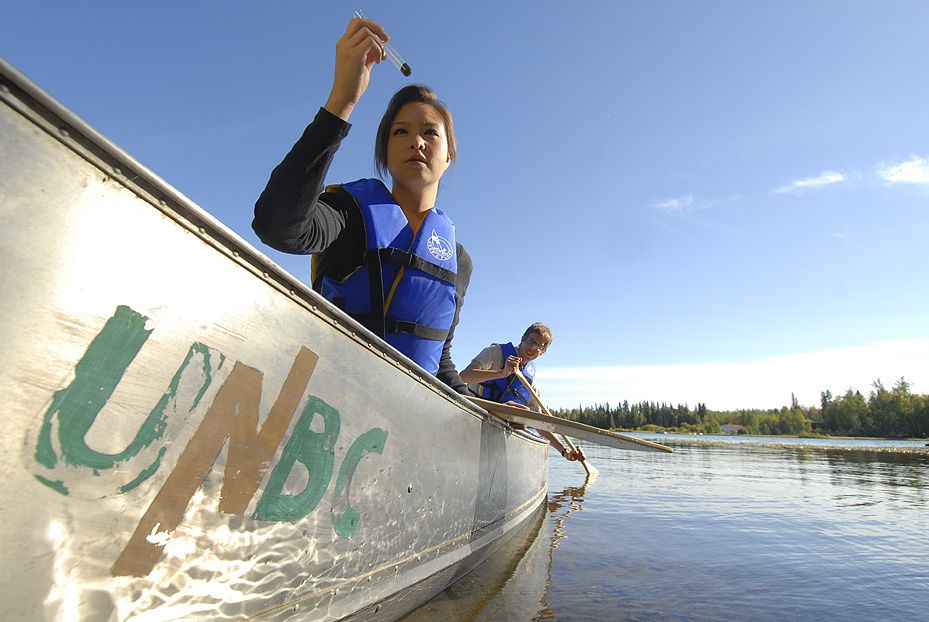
405,70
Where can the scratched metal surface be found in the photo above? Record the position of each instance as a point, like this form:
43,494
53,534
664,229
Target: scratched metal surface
191,433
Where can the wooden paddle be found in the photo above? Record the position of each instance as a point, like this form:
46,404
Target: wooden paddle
557,425
591,470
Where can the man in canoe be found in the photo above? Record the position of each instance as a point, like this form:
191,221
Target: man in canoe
492,375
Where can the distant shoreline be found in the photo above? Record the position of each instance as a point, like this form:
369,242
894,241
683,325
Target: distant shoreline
717,440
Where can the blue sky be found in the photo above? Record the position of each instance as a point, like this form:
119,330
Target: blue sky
722,202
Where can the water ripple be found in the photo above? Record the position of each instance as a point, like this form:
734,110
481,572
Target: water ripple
734,531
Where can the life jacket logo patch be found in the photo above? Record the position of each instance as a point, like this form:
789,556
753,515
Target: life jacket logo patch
439,247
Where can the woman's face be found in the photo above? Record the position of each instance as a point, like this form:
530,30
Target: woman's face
417,147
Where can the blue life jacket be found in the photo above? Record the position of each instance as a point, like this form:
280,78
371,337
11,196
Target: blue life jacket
509,389
410,301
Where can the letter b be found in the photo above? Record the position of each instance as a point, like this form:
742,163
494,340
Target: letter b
316,451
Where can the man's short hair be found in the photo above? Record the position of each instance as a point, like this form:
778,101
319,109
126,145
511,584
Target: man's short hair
541,330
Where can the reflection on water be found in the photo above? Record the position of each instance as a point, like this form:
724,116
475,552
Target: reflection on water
561,505
511,585
514,583
719,532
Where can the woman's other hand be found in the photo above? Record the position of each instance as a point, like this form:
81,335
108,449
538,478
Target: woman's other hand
359,49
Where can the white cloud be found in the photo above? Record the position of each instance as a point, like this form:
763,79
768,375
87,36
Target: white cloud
913,171
679,204
825,178
691,203
759,383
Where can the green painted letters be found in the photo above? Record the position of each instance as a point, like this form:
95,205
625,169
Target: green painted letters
95,378
76,407
345,522
316,451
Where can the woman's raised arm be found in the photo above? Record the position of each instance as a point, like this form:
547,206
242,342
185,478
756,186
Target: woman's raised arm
359,49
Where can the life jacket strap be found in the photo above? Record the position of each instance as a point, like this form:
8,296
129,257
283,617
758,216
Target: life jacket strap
493,391
498,394
393,325
417,330
376,320
404,258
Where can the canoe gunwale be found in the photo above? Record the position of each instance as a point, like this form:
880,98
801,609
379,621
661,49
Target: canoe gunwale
45,112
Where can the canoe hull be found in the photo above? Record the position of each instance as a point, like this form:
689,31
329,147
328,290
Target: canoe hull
192,432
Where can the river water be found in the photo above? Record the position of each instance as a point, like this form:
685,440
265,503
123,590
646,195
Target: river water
741,529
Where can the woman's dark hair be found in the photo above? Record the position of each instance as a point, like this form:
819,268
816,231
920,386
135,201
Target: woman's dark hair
418,93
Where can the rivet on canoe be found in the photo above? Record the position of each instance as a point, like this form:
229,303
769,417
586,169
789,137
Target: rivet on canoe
264,274
163,203
116,171
201,229
4,88
235,253
64,132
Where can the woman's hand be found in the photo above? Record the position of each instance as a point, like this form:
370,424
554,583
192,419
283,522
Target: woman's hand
359,49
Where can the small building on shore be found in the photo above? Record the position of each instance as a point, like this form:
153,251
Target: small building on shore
732,428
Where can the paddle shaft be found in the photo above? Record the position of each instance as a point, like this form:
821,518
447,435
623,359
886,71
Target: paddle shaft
574,429
538,401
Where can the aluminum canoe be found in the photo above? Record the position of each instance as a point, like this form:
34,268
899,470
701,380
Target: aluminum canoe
192,433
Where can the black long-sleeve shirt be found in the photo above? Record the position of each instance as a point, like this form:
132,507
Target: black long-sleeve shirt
295,215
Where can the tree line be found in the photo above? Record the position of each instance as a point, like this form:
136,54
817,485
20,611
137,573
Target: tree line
888,413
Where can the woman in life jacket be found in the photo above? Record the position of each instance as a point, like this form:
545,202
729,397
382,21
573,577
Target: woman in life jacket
388,257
